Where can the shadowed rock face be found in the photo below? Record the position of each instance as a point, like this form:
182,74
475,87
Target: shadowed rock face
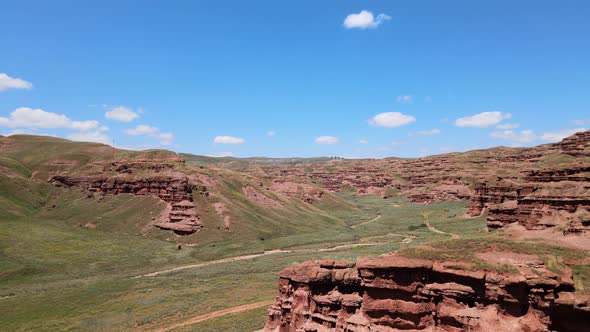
550,198
393,293
174,190
543,198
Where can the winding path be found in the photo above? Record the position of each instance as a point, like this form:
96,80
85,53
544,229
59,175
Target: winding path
366,222
216,314
438,231
252,256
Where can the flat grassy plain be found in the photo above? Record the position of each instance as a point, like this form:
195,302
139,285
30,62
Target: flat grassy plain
70,267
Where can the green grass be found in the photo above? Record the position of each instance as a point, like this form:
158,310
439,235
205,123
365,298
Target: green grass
58,274
466,250
67,259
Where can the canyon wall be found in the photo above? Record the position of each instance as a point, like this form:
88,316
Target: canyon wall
174,190
546,198
393,293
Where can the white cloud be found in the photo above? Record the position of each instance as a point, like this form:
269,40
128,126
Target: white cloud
150,131
7,82
556,136
524,136
363,141
407,99
31,131
482,120
221,154
428,132
271,133
25,117
90,136
326,140
166,138
228,140
391,120
142,130
122,114
508,126
580,122
364,20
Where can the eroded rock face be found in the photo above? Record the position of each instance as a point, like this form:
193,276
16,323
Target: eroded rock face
393,293
549,198
432,179
174,190
576,145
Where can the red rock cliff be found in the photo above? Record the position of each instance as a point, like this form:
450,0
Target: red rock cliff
393,293
174,190
548,198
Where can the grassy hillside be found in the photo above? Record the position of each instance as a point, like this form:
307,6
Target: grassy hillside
70,260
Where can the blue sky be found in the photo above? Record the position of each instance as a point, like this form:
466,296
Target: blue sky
296,78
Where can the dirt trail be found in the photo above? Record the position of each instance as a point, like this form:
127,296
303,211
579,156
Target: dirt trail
252,256
438,231
216,314
219,261
366,222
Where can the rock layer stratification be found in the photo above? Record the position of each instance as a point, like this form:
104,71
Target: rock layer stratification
394,293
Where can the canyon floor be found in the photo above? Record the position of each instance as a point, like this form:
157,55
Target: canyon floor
94,238
63,276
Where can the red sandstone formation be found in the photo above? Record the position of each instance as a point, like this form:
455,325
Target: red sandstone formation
431,179
576,145
549,198
394,293
129,166
176,191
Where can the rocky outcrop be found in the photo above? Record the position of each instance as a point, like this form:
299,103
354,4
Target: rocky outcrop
577,145
176,191
142,164
549,198
431,179
394,293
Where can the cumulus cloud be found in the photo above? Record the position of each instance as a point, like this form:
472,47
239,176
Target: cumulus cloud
556,136
363,141
122,114
271,133
482,120
221,154
326,140
7,82
228,140
523,137
31,131
391,120
90,136
506,126
364,20
428,132
142,130
25,117
151,131
406,99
